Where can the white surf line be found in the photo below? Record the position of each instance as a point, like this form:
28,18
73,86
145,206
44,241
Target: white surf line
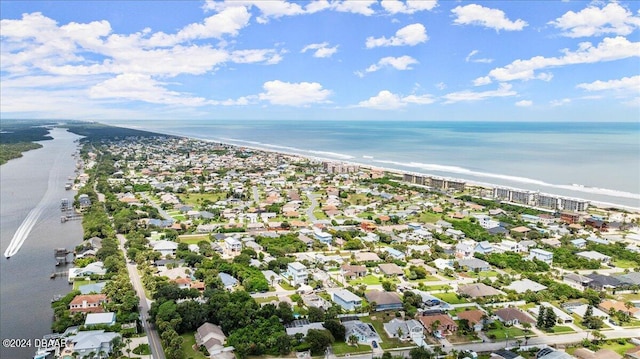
32,218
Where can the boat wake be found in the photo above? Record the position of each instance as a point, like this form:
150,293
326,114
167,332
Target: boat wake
32,218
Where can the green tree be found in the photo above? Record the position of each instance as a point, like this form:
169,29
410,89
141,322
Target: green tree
318,340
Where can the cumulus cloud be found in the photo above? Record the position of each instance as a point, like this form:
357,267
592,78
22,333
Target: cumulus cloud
561,102
321,50
625,85
140,87
386,100
470,58
399,63
409,35
524,103
362,7
294,94
504,90
474,14
609,49
408,7
595,21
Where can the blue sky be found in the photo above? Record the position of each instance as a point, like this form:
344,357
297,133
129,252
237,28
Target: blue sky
321,60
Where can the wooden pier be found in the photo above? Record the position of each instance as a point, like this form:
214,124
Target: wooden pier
60,254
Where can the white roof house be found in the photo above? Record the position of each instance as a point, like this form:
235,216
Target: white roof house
100,319
521,286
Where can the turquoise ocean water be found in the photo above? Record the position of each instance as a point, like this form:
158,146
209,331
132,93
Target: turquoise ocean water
595,161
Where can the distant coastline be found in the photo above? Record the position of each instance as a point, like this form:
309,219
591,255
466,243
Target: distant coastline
318,156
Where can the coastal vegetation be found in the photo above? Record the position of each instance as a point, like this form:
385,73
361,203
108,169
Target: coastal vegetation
17,137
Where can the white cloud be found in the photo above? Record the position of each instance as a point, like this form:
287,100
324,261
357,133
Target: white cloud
609,49
524,103
294,94
631,84
139,87
399,63
481,81
470,58
504,90
322,50
562,102
408,7
268,56
474,14
441,86
362,7
595,21
386,100
409,35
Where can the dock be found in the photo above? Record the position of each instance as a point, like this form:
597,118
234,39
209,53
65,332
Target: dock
59,274
60,254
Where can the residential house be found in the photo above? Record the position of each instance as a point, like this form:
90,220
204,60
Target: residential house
367,257
439,324
404,329
595,256
505,354
297,273
211,337
95,268
604,282
390,269
577,281
584,353
609,305
353,271
484,247
323,237
541,255
475,317
474,264
347,300
394,253
183,283
513,316
551,242
579,243
561,316
466,248
92,288
228,281
455,234
478,290
232,244
524,285
384,300
302,326
88,303
94,319
508,246
165,248
88,343
365,332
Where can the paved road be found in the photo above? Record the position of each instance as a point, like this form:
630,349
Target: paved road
312,207
162,212
256,195
154,338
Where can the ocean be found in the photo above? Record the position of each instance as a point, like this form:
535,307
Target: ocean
599,162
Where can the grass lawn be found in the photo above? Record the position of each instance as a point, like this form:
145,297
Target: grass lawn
428,278
193,239
265,299
320,215
286,286
435,287
628,296
633,323
368,279
188,342
561,329
451,298
623,263
194,199
77,284
486,274
428,217
617,347
501,334
358,199
177,215
344,348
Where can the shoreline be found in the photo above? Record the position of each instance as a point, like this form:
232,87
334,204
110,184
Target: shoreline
348,159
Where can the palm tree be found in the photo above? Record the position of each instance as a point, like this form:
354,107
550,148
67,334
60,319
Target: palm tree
353,339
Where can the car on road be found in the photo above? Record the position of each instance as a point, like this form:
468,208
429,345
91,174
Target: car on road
374,344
